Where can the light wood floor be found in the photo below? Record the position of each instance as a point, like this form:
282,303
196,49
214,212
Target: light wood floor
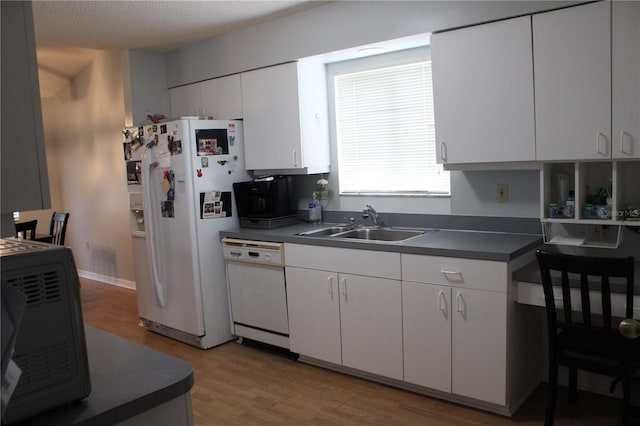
244,385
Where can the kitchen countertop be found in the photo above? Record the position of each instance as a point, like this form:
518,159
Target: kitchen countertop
127,379
482,245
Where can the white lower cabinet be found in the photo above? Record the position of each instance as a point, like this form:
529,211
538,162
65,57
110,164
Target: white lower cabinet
455,325
439,325
344,318
455,340
479,345
371,324
426,311
314,314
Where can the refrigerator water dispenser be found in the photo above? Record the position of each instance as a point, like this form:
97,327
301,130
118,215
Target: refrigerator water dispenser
136,214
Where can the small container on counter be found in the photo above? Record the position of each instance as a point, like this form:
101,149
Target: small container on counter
587,211
570,207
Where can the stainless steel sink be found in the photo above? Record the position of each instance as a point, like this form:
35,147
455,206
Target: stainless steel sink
381,234
371,234
326,232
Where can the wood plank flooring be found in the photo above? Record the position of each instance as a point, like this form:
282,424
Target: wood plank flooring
250,385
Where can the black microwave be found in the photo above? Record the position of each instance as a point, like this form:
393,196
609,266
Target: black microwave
265,198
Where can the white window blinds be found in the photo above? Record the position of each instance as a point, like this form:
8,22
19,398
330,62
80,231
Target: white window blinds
386,133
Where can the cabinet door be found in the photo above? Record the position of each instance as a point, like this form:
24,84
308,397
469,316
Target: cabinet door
426,329
186,100
221,98
625,79
271,115
572,62
371,324
483,93
479,345
314,313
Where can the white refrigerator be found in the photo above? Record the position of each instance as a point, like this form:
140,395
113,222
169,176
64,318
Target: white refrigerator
188,167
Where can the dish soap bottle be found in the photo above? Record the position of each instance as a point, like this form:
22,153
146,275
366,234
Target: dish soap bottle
315,210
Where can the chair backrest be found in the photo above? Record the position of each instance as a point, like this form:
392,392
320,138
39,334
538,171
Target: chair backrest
27,230
569,271
58,227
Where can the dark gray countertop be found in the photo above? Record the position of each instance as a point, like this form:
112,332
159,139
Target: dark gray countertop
445,242
126,380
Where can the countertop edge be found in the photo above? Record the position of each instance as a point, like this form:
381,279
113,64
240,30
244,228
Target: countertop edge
182,383
116,363
411,246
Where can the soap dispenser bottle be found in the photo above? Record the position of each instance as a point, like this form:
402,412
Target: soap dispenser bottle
315,210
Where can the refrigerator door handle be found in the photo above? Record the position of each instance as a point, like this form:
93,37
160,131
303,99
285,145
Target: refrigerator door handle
148,203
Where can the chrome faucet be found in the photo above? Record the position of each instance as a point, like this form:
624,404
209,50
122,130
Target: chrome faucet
370,211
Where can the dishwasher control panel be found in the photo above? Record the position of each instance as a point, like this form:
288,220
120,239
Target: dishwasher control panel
263,252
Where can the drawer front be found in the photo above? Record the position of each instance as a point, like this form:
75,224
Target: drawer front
358,262
452,271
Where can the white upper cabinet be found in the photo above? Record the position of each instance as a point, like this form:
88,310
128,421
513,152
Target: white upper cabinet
625,79
222,98
219,98
185,100
285,118
572,66
483,93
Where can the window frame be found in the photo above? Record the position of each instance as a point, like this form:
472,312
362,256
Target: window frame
369,63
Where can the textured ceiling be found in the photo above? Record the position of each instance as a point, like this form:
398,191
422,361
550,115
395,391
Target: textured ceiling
65,30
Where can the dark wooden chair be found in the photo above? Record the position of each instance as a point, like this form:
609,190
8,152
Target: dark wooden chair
586,340
27,230
58,227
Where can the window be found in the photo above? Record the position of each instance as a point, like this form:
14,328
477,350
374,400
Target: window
385,131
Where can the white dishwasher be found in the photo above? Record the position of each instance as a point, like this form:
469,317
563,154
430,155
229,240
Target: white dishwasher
257,290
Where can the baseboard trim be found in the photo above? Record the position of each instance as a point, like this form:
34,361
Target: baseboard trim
131,285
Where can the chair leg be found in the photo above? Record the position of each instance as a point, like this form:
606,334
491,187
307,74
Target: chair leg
626,399
573,384
551,393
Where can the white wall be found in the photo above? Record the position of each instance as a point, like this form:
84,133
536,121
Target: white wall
87,173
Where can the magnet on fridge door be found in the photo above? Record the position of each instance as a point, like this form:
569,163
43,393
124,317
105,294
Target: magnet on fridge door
199,172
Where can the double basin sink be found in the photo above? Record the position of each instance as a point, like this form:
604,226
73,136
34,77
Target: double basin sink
366,233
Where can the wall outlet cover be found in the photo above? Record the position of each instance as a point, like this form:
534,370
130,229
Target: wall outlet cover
502,193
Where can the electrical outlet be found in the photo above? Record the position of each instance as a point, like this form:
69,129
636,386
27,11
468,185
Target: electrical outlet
502,193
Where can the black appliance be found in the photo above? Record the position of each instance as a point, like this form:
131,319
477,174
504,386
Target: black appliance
265,202
42,323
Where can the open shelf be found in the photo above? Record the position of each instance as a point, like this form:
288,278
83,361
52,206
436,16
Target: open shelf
582,234
606,196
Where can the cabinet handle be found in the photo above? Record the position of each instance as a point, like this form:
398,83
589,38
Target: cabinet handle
600,137
344,288
455,276
294,158
443,151
330,282
625,137
442,303
460,305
